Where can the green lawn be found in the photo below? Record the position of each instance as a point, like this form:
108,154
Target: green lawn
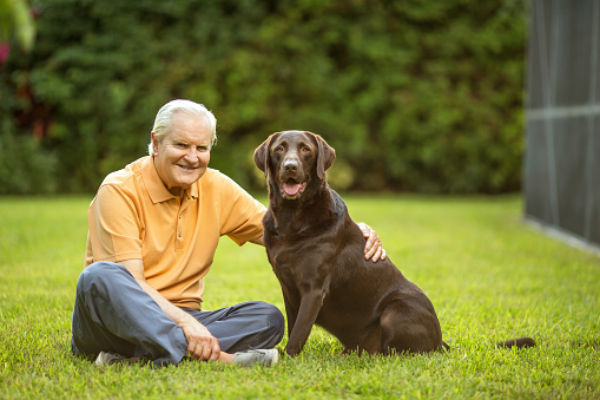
488,274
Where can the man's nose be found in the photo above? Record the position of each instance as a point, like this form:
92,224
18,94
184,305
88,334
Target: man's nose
192,155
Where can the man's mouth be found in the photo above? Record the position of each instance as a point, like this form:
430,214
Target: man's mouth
186,168
292,190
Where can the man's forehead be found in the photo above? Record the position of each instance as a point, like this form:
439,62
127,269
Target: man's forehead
183,118
184,125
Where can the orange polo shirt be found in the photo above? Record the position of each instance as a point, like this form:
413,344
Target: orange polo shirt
134,216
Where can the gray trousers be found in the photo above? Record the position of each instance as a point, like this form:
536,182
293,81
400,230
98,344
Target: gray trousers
113,313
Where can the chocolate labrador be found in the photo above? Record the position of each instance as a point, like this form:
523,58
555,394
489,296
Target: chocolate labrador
316,252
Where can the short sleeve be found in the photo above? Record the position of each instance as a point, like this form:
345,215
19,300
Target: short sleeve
115,229
241,213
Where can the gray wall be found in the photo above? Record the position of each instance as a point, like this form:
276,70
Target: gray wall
562,157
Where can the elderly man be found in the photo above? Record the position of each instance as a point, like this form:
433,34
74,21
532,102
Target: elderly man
153,232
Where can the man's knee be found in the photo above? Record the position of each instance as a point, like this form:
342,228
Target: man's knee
275,320
100,275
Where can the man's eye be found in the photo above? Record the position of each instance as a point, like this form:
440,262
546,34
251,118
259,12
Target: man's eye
201,148
181,145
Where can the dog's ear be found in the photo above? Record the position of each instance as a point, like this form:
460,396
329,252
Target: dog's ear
261,154
325,155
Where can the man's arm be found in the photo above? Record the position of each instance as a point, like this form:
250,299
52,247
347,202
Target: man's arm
373,248
201,343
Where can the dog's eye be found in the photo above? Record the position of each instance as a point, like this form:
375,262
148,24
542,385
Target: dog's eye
305,149
279,149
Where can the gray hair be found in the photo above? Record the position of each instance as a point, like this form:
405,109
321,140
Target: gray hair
162,122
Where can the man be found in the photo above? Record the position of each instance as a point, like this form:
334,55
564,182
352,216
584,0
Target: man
153,232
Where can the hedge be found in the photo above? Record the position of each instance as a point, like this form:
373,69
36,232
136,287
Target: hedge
419,96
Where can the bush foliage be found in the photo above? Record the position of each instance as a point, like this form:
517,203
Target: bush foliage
415,96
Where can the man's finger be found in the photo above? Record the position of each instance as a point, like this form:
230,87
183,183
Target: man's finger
216,351
192,349
370,246
365,229
377,255
206,352
369,251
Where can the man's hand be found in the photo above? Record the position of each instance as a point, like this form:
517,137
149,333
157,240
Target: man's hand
202,345
373,248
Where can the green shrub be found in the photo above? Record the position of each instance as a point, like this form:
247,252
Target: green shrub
25,167
415,96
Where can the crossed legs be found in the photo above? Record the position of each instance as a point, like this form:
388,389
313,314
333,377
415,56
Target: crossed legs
113,313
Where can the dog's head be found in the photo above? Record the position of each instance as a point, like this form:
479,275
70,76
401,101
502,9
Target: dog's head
293,160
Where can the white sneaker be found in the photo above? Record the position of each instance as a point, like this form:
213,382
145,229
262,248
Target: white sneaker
264,357
105,358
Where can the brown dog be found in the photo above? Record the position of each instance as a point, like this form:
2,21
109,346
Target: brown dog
316,251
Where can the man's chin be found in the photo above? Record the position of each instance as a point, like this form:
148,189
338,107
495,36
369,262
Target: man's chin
188,179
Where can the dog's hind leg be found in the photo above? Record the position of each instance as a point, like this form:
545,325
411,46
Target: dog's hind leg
371,342
412,329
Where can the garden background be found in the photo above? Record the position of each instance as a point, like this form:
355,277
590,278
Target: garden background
415,96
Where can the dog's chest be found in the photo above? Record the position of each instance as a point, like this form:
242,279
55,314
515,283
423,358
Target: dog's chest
301,261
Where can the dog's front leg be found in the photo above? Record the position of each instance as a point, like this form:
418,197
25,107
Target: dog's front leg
310,305
291,313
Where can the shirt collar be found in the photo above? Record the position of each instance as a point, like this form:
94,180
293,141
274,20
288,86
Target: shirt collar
155,186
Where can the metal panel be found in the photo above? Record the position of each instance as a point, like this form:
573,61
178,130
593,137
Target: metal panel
571,137
593,199
572,47
562,158
536,173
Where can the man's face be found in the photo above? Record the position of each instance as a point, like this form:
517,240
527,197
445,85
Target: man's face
182,155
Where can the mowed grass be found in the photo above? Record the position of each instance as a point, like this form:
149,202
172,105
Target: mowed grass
488,274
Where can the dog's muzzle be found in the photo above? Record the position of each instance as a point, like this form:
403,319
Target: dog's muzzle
292,190
292,180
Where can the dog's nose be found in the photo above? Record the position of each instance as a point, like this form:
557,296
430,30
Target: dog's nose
290,166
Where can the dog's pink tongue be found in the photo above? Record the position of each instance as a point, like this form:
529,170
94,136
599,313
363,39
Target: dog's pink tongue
291,189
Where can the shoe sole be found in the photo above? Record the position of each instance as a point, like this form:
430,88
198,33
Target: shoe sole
274,359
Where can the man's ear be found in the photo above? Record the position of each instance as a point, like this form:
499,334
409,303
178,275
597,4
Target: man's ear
261,154
154,143
325,155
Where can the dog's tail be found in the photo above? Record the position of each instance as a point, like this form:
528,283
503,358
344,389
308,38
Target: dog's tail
521,342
